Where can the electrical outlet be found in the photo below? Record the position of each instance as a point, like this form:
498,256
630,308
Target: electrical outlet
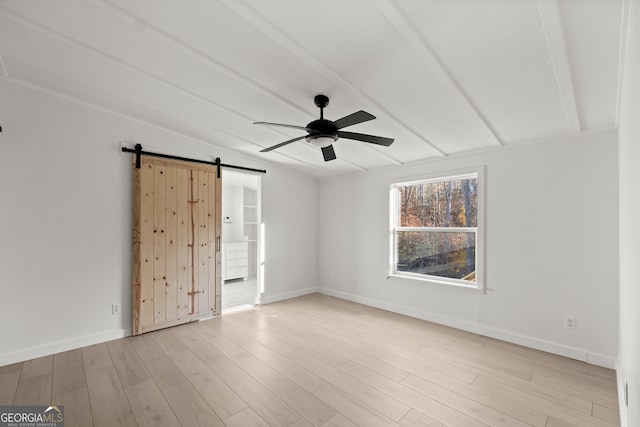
115,308
570,322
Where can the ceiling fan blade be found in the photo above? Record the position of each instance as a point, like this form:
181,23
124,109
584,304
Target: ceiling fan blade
353,119
281,125
380,140
328,153
282,144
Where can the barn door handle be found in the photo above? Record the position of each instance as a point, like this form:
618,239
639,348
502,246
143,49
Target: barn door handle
218,244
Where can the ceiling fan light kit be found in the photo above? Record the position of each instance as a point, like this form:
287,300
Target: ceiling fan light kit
321,141
323,133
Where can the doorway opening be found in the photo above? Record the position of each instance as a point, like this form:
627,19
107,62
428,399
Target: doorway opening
241,196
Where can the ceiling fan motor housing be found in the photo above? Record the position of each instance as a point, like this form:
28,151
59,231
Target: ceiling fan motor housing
322,132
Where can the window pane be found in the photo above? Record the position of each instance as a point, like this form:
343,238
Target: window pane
449,203
441,254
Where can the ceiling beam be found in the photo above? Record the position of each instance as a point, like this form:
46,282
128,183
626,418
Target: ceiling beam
259,22
554,35
446,80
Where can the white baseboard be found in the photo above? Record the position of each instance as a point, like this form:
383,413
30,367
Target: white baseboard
60,346
538,344
268,299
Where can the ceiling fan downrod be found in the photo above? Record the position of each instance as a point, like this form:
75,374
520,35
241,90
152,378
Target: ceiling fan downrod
321,101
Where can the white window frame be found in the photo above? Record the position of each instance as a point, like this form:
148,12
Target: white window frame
477,173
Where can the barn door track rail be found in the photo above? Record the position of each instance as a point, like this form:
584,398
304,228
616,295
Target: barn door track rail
139,152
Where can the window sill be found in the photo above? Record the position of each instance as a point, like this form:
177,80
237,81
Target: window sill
431,279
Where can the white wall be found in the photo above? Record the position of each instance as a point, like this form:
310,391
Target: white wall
65,221
629,364
232,208
290,235
551,242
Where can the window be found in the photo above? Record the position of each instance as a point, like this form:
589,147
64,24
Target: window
435,229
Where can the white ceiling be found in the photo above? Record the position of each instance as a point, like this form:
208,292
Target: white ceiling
442,77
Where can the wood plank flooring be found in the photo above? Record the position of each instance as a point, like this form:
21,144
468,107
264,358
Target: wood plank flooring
314,361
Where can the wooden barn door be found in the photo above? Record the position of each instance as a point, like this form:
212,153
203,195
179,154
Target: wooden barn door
176,243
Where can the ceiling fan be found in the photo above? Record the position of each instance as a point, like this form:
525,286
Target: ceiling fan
323,133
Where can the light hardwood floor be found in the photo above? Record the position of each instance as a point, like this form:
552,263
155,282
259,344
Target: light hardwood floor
314,361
